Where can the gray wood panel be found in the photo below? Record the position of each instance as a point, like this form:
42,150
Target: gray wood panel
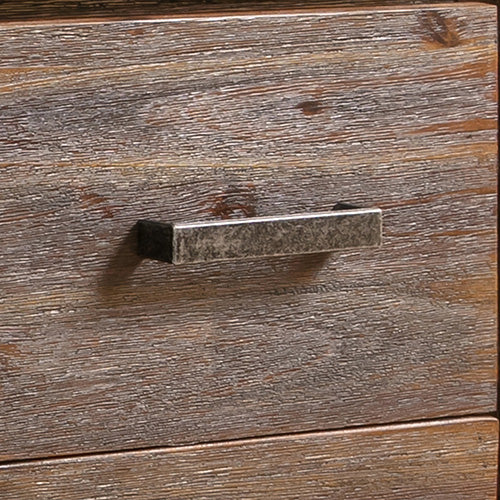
103,124
450,460
359,88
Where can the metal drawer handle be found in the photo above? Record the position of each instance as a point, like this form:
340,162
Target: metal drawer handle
344,227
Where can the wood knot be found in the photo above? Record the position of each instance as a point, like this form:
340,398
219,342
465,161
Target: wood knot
439,30
310,108
235,201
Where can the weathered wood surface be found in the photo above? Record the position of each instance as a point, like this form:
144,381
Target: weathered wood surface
357,89
129,9
450,460
105,124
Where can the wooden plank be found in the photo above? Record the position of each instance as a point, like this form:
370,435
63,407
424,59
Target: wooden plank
102,350
450,460
130,9
358,88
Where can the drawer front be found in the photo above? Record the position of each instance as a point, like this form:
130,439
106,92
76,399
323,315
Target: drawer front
450,460
104,124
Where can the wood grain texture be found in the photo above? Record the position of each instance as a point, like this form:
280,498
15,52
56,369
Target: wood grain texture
355,89
450,460
104,124
133,9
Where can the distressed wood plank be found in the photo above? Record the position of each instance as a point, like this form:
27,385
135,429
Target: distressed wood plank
133,9
362,88
450,460
208,119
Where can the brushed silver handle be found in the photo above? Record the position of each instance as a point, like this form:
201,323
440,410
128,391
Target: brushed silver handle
182,243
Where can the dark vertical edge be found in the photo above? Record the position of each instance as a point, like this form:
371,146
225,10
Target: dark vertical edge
498,246
155,240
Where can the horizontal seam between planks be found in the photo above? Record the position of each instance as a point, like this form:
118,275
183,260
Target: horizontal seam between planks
365,429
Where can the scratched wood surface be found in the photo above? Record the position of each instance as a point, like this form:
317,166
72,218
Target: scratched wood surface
449,460
130,9
107,123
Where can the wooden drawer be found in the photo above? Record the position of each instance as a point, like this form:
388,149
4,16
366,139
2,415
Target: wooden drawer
450,460
195,119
